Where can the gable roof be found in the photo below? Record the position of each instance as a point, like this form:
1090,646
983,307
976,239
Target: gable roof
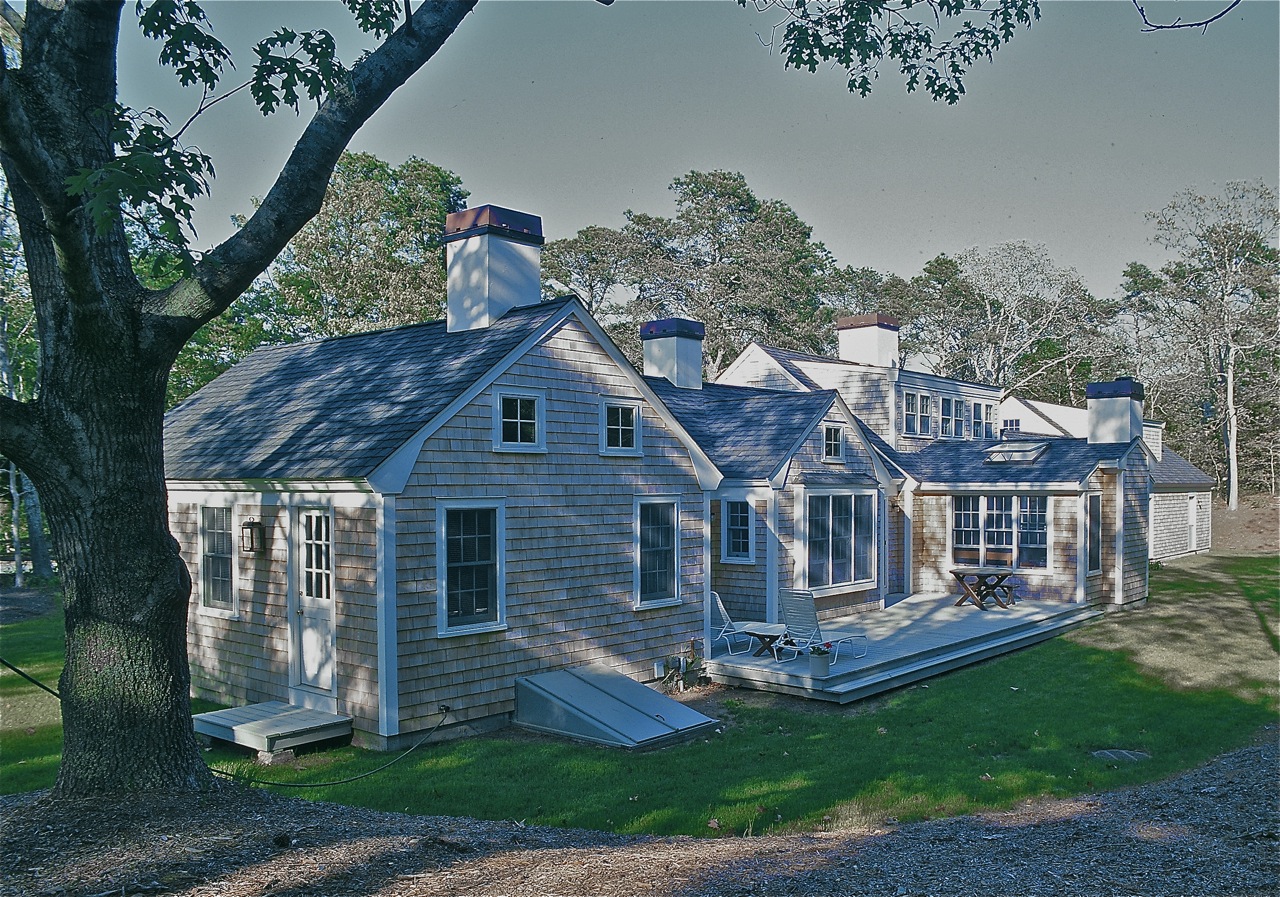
1174,472
749,433
336,408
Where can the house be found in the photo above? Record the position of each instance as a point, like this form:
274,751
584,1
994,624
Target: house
1069,515
385,523
1181,494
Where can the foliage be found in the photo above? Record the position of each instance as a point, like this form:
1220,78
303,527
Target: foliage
1214,315
933,42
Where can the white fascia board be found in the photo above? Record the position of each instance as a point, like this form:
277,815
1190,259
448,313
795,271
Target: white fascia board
968,388
987,488
709,476
752,350
390,477
269,486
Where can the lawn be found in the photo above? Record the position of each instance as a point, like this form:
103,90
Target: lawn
1187,678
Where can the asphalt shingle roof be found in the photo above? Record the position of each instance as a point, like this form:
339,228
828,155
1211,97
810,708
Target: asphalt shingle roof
965,461
335,408
747,432
1174,470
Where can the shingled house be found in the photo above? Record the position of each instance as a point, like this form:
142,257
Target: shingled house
1069,515
1181,494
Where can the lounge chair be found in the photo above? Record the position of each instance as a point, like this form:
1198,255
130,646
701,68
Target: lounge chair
803,631
728,629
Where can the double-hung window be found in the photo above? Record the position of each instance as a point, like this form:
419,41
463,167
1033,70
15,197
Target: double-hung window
1000,531
951,422
217,589
519,422
841,539
471,588
984,421
657,552
917,414
619,428
833,444
737,545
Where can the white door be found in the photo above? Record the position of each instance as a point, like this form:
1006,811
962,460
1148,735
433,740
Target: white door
1193,523
313,621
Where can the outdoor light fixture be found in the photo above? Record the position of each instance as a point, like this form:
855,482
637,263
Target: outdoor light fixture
253,536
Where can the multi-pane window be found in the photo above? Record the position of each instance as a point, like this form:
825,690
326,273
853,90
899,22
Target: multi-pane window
951,422
1093,527
1033,531
657,552
317,555
917,414
519,422
833,443
1000,531
216,590
471,566
1011,425
736,540
984,421
841,539
620,428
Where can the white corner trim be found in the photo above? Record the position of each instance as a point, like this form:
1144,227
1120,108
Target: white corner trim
388,629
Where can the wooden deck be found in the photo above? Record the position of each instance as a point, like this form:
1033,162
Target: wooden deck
919,637
272,726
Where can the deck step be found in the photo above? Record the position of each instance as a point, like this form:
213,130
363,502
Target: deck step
271,726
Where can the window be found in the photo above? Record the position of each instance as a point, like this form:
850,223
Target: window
216,585
1000,531
1011,425
657,552
472,576
1006,452
317,555
737,545
952,420
518,424
918,414
620,428
1093,525
926,416
841,539
833,444
984,421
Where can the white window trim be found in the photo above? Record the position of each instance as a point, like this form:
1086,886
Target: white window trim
912,416
839,456
233,612
443,506
725,557
540,416
607,402
1046,570
676,600
988,421
801,575
955,419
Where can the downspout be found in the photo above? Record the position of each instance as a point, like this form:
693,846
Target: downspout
706,573
1118,574
771,561
1082,545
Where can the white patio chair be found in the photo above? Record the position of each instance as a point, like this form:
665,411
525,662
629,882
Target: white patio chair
803,630
728,629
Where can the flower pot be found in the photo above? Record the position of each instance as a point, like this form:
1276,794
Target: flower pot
819,665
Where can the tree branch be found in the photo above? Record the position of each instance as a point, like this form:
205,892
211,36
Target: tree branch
295,197
1149,25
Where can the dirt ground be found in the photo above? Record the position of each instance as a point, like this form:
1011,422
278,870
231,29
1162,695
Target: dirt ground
1253,528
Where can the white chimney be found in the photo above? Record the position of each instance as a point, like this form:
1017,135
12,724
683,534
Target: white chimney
673,349
494,265
1115,410
869,339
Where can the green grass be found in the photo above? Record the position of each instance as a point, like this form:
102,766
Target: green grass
1189,677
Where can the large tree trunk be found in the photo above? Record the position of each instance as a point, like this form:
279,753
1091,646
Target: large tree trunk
15,526
1231,432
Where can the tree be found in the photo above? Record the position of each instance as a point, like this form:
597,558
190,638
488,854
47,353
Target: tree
591,265
78,162
1217,300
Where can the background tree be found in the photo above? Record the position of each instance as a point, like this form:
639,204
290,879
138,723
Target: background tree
1217,302
592,264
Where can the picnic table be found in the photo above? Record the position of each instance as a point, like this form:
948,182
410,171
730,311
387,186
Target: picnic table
978,584
767,634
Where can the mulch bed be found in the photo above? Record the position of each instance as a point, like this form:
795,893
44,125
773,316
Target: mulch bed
1214,830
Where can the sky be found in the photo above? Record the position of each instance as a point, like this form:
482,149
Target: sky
578,112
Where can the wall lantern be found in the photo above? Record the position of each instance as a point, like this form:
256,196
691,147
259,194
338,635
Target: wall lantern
253,536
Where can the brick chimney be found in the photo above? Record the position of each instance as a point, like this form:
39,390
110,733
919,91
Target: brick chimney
673,349
494,265
1115,410
869,339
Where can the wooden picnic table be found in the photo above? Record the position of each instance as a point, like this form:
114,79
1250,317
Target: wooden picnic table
767,634
977,584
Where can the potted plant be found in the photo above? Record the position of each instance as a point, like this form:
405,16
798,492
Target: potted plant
820,661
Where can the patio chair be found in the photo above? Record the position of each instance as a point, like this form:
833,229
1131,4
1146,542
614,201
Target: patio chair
803,631
728,629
